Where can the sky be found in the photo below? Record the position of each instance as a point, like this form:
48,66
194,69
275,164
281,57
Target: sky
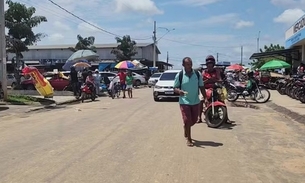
197,28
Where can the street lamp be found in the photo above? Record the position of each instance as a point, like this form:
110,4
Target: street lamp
258,36
3,50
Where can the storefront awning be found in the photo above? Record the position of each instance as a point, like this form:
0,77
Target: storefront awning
274,53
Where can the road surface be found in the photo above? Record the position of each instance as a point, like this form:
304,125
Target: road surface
141,141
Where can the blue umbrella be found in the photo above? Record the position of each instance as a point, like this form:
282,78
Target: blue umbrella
70,63
83,55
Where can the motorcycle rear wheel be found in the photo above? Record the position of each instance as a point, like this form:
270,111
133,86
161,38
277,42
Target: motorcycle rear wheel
212,123
302,98
83,96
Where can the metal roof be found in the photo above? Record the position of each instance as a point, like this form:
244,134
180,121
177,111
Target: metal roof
66,46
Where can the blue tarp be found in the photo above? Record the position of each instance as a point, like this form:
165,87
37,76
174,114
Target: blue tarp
103,66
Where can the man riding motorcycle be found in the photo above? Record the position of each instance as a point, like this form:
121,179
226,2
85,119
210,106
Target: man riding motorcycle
210,76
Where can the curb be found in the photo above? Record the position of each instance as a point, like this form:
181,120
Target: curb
52,105
288,113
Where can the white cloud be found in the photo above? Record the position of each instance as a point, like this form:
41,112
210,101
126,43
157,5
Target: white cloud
192,2
61,26
243,24
218,20
147,7
289,16
55,37
84,27
289,3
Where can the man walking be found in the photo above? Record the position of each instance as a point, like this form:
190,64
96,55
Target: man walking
122,76
187,85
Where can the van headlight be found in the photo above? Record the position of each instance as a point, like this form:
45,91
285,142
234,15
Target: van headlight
158,87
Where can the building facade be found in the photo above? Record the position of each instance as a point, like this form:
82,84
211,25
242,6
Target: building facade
52,54
295,39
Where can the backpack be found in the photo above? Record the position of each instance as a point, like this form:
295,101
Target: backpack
181,77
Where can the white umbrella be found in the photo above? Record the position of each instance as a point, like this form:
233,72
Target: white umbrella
138,64
83,55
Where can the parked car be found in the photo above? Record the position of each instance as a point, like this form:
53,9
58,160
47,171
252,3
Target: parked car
11,80
138,79
164,88
153,79
56,82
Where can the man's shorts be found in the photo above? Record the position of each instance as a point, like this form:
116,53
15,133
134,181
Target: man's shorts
189,113
123,86
128,86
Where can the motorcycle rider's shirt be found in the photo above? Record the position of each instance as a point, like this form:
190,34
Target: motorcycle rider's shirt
208,75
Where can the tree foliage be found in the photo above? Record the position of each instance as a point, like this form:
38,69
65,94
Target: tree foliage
20,21
126,48
261,61
84,44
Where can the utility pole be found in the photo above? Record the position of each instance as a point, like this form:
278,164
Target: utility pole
167,59
155,42
217,57
241,55
3,50
258,36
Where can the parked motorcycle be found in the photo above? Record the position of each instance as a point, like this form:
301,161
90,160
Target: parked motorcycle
216,107
86,93
256,93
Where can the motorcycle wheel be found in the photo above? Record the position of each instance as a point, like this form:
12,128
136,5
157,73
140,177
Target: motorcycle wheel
93,97
211,121
83,96
297,93
302,98
232,95
112,94
266,99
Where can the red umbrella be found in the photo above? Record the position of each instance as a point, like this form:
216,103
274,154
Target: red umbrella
235,67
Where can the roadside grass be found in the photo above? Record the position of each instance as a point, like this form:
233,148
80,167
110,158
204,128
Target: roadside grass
22,100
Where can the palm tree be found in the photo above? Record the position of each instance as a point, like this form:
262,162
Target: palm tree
126,48
20,21
84,44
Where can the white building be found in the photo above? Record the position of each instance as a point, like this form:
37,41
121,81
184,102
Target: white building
51,54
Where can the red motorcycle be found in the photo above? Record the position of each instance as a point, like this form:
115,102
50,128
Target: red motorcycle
216,112
86,92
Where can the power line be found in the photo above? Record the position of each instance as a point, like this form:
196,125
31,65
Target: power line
199,45
85,21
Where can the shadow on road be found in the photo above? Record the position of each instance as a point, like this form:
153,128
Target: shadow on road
202,144
228,126
4,108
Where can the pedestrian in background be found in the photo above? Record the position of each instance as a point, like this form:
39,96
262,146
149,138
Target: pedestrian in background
188,89
97,81
129,83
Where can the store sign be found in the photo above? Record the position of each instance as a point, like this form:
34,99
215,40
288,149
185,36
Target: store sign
300,24
294,39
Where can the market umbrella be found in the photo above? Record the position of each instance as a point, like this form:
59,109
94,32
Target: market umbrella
136,62
83,55
82,64
124,65
70,63
275,64
235,67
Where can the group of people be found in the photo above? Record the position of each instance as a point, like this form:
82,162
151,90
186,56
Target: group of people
93,81
191,105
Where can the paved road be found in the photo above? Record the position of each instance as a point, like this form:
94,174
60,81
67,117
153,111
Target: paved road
138,140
